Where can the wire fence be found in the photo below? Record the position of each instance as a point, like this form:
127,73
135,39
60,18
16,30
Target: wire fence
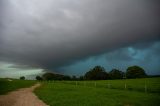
141,86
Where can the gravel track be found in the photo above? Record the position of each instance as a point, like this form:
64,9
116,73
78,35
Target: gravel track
21,97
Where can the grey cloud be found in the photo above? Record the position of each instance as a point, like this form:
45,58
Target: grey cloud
146,57
144,51
50,34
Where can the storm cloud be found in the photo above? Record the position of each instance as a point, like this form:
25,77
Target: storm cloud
54,33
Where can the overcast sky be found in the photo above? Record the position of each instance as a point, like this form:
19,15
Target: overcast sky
72,36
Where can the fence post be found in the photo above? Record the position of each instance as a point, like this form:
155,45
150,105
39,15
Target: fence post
125,85
145,87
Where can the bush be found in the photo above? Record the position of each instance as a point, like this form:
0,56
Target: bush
39,78
97,73
22,78
135,72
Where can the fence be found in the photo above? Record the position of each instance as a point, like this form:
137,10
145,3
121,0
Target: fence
130,85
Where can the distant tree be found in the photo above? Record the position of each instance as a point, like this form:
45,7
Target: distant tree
81,78
48,76
135,72
52,76
66,77
74,77
38,78
116,74
22,78
97,73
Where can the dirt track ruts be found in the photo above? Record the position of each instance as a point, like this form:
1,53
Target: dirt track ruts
21,97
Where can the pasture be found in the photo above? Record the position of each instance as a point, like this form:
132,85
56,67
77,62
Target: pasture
7,85
129,92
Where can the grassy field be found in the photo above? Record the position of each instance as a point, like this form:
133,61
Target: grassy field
89,93
151,85
7,86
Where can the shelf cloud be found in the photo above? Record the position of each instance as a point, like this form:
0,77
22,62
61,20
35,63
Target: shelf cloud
50,34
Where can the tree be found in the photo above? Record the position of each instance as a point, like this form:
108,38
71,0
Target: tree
48,76
22,78
135,72
81,78
116,74
66,77
52,76
97,73
38,78
74,77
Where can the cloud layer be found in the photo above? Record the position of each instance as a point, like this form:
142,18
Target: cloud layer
55,33
144,55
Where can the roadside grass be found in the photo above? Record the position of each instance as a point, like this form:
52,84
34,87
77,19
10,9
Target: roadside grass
60,94
7,86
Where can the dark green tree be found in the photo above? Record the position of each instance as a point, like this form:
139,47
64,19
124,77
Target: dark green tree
97,73
135,72
22,78
74,77
81,78
38,78
66,77
116,74
48,76
52,76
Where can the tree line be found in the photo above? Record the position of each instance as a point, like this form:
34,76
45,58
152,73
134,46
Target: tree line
99,73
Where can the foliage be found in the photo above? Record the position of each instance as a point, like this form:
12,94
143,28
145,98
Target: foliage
52,76
66,77
81,78
74,77
97,73
135,72
116,74
22,78
39,78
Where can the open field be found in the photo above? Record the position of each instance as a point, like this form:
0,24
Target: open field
7,86
89,93
151,85
129,92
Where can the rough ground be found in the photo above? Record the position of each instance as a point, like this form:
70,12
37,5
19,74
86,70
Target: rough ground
21,97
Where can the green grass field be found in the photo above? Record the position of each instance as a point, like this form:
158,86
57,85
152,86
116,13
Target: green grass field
89,93
130,92
151,85
7,86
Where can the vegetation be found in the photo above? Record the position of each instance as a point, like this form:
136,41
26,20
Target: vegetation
149,85
22,78
97,73
85,93
39,78
116,74
135,72
7,85
52,76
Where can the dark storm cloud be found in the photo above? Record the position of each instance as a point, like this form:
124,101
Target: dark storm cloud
50,34
151,50
145,55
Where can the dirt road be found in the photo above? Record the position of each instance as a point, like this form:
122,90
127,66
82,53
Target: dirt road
21,97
